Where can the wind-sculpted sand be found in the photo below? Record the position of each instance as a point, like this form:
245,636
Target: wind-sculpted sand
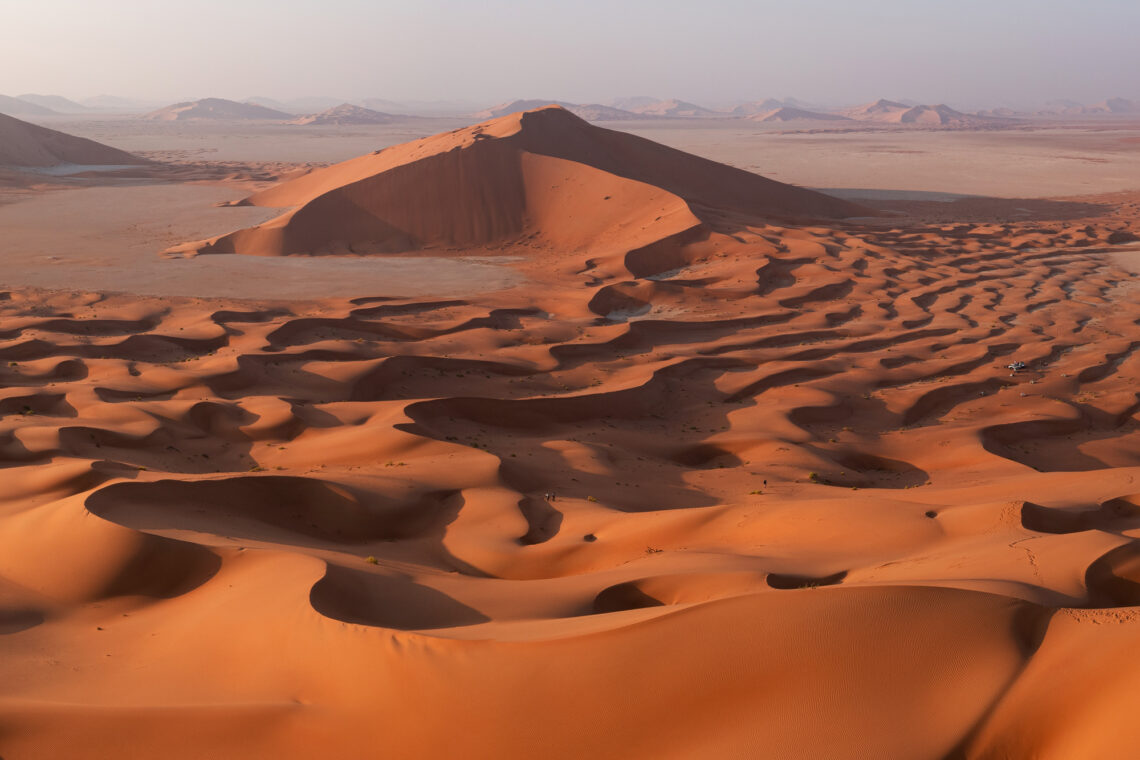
764,491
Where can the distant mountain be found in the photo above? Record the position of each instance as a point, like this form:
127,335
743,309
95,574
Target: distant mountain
380,104
17,107
589,112
1000,113
786,113
30,145
56,103
880,110
631,103
305,105
1119,105
275,105
891,112
755,107
1061,106
115,103
940,115
217,108
1112,106
419,107
675,109
347,114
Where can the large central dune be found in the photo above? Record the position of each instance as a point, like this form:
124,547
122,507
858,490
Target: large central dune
544,176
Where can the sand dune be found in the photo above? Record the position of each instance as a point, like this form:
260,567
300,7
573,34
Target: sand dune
881,109
1110,106
698,482
784,113
889,112
540,178
674,109
759,106
1118,106
28,145
215,108
793,478
347,114
938,115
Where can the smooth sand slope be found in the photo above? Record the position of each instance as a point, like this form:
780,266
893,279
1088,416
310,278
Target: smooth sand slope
28,145
769,491
543,177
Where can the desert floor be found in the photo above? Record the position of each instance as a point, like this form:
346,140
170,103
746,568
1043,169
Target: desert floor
257,507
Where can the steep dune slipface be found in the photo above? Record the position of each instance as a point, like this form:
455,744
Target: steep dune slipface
29,145
533,176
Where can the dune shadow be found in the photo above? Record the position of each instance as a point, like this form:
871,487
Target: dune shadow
1113,580
1113,515
1043,445
366,598
17,620
624,596
288,509
789,581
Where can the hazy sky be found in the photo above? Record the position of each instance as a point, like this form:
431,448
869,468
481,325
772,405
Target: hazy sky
965,52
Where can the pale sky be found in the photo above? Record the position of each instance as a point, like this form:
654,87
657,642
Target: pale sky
972,53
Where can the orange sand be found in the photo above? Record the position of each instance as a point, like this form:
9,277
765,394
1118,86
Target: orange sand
801,508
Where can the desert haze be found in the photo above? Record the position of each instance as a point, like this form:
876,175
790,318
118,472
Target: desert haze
599,427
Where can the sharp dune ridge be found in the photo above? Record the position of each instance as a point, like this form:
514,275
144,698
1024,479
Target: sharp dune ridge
738,470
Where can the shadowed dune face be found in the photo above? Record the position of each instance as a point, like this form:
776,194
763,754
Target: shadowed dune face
734,481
